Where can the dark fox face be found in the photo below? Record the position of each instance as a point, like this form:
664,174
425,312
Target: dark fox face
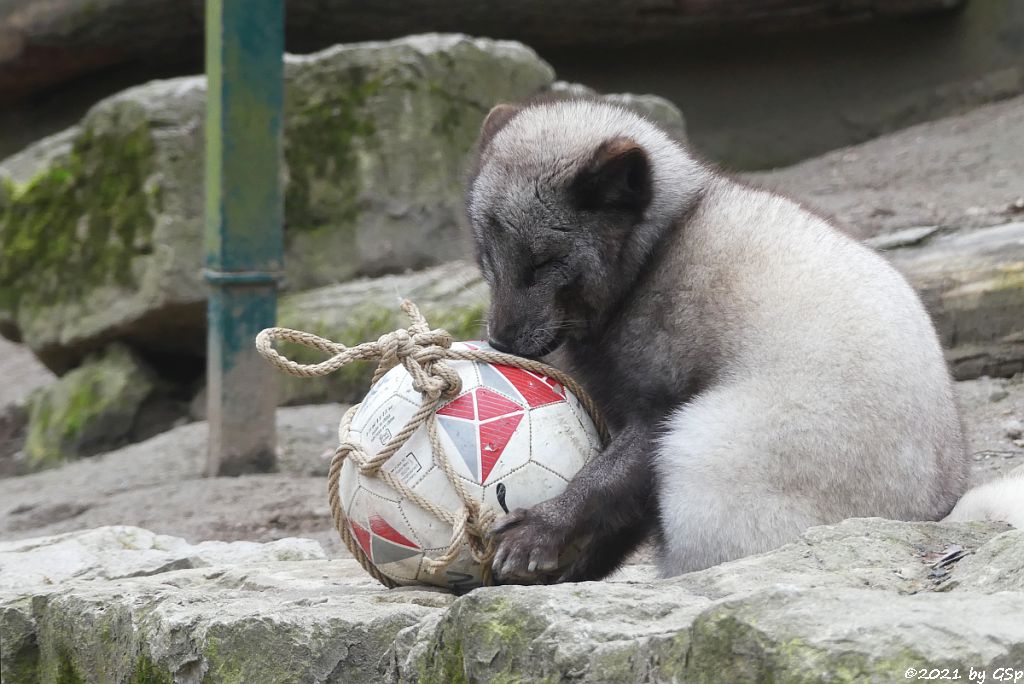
549,228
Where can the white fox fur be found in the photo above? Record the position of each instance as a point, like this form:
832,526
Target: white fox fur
1001,499
834,402
784,374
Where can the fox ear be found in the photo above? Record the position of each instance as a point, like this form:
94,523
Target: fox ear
499,115
618,176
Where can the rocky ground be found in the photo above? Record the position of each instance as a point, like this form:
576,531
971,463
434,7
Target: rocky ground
158,484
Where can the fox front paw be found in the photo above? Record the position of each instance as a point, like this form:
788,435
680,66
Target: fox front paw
528,547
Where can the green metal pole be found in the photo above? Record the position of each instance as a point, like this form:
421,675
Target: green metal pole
244,246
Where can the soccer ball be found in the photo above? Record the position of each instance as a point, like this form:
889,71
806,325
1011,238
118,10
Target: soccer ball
515,438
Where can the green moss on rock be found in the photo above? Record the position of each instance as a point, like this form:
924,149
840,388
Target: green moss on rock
79,223
20,662
66,672
148,672
742,643
92,407
322,130
484,635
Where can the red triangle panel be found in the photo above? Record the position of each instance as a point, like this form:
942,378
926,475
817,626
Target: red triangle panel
494,437
461,407
362,536
534,388
381,528
490,404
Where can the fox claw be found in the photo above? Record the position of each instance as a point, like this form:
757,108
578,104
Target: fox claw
528,547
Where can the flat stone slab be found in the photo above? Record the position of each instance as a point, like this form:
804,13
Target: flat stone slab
120,551
863,600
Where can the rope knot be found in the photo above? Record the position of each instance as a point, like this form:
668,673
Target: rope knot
439,339
441,381
394,347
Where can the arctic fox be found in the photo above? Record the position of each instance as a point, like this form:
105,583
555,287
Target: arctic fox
760,371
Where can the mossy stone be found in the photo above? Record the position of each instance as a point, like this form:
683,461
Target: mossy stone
90,408
78,224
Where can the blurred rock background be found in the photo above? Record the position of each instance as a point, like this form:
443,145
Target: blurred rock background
762,83
901,119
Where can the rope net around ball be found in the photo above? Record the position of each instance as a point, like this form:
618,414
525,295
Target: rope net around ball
424,353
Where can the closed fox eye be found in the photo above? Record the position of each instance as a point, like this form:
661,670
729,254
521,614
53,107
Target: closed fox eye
543,262
548,263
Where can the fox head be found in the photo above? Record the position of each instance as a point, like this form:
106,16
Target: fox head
567,202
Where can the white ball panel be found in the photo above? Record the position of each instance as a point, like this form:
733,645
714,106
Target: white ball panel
559,442
525,487
382,421
464,431
393,382
393,546
467,373
435,487
348,483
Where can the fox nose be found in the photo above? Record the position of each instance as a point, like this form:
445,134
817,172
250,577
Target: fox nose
501,345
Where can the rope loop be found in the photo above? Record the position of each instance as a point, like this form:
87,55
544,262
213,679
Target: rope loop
425,354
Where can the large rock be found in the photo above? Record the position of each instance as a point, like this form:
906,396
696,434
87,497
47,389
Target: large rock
104,240
860,601
23,375
655,108
376,140
106,553
13,426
